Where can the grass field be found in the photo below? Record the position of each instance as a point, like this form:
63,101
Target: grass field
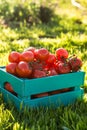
68,29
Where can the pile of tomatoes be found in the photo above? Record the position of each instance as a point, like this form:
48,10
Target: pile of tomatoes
39,62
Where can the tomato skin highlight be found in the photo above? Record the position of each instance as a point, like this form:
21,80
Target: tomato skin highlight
11,68
14,57
61,53
23,69
27,56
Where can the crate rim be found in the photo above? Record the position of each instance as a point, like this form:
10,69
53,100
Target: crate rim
80,71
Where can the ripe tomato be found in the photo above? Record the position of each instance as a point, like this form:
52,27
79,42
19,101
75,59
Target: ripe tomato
40,95
23,69
14,57
38,74
36,54
52,71
30,49
61,53
27,56
8,87
66,89
63,68
51,59
37,65
56,65
55,92
11,68
41,54
75,63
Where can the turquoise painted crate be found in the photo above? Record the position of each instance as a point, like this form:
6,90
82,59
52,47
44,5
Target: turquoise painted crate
53,90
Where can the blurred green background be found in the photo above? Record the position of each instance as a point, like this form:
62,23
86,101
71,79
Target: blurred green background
50,24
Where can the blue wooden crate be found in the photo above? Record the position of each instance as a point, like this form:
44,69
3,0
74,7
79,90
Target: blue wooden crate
53,88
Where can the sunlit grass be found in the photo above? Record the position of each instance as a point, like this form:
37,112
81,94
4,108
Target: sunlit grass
8,34
3,59
69,30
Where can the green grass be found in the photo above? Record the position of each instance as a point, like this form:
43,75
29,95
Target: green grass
72,117
68,29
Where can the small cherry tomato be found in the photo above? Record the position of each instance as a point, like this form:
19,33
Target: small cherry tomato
14,57
63,68
40,95
41,54
52,72
27,56
51,59
23,69
38,74
61,53
11,68
56,65
55,92
37,65
75,63
8,87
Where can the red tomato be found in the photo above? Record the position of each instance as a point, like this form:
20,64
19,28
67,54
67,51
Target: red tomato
55,92
36,53
8,87
66,89
11,68
52,71
30,49
23,69
63,68
40,95
14,57
51,59
37,65
61,53
56,65
75,63
38,74
27,56
41,54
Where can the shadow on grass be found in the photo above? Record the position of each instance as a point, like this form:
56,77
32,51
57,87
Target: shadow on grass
49,117
52,29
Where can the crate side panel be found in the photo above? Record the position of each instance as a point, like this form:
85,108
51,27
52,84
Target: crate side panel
17,83
56,100
52,83
27,87
8,97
